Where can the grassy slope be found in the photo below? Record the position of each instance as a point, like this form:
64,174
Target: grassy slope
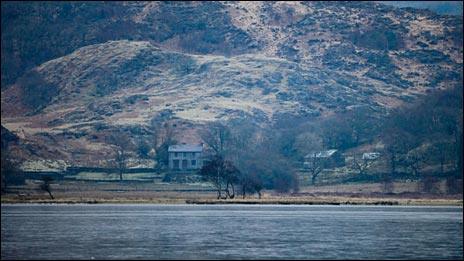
313,58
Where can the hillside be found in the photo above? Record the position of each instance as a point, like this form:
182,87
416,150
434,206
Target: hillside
74,72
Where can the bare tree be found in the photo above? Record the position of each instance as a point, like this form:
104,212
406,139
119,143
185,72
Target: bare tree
440,151
163,143
428,183
45,186
397,144
259,155
121,161
222,174
414,161
10,171
168,136
387,183
217,136
11,174
154,132
242,149
360,164
459,142
242,141
250,182
308,141
121,145
454,184
314,165
231,176
362,123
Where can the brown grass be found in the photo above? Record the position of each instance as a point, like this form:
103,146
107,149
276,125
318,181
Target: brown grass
70,192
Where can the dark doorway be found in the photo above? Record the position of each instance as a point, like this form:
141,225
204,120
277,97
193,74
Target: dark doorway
184,164
175,164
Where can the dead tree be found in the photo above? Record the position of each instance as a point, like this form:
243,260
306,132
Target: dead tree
414,161
250,182
45,186
121,144
315,166
360,165
216,136
387,183
162,146
222,174
429,184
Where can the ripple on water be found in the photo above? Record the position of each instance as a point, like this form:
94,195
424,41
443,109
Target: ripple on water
113,231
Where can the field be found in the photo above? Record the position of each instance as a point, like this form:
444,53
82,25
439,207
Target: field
156,191
103,176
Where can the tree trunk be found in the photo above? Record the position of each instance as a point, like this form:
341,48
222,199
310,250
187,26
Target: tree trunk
219,192
218,184
458,150
227,190
442,166
459,154
313,179
393,164
50,193
361,171
233,190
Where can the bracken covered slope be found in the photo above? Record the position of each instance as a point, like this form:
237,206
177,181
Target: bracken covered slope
205,61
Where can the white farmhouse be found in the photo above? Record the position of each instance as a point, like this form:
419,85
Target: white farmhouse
185,156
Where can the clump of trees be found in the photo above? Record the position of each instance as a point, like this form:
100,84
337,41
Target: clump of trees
421,141
11,174
222,174
251,182
426,134
249,157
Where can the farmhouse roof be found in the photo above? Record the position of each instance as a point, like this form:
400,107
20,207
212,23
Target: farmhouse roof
186,148
321,154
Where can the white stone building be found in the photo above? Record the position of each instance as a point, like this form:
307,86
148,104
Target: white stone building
185,156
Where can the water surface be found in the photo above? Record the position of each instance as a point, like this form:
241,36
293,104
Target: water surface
230,232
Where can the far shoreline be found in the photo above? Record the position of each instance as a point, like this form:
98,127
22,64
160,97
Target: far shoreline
66,192
251,201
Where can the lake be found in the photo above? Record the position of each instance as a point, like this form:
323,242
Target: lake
113,231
